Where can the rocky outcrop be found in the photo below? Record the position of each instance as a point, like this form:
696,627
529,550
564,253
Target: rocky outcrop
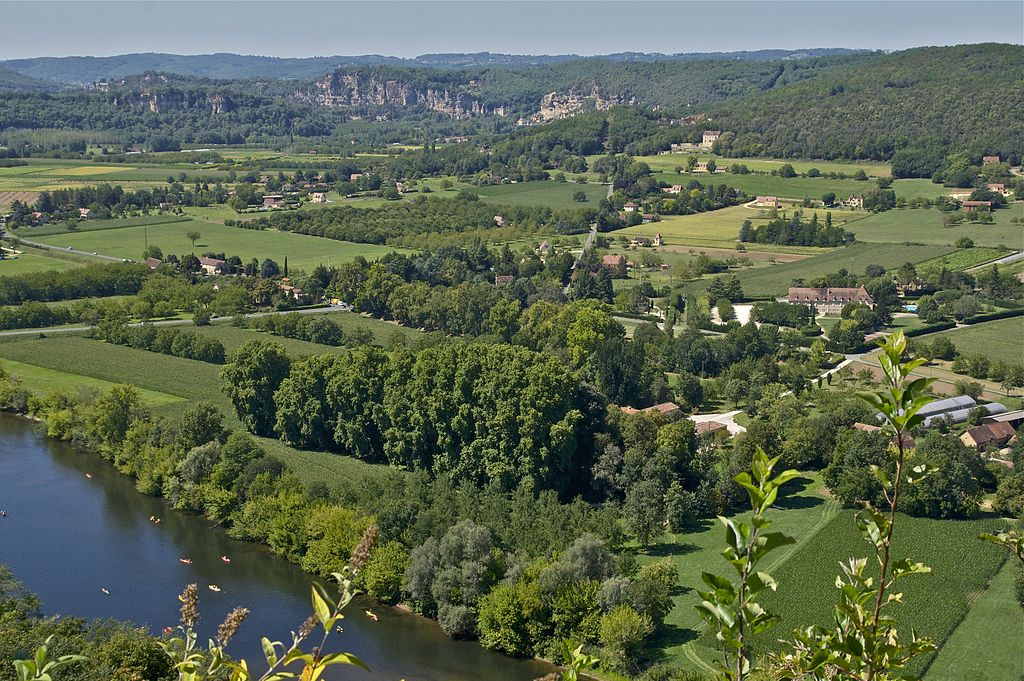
358,90
169,100
556,105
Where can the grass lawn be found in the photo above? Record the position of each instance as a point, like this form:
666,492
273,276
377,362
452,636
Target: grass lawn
924,225
999,340
94,225
987,645
668,162
548,193
303,252
32,260
854,258
41,381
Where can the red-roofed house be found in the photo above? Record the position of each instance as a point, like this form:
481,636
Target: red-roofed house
631,207
767,201
273,201
153,263
971,206
614,262
988,160
995,434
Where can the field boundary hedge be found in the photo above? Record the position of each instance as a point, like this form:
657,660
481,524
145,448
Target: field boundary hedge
992,316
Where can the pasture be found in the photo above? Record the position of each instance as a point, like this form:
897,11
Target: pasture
775,281
999,340
232,337
925,225
303,252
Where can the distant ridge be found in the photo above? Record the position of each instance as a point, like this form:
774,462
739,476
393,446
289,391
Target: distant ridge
226,66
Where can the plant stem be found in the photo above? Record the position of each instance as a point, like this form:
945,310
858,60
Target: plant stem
886,545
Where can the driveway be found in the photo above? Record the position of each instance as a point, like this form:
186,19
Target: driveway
728,419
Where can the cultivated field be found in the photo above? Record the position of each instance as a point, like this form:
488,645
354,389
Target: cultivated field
854,258
1001,340
768,185
925,225
963,258
719,228
303,252
42,381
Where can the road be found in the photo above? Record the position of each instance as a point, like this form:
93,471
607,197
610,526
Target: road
50,247
1013,257
171,322
728,419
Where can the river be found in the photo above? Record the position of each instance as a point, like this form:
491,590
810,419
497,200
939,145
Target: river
67,536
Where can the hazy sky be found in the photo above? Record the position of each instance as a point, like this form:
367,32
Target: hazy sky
292,28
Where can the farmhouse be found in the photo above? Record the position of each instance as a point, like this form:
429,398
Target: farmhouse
544,248
998,187
212,266
701,167
354,176
658,241
996,434
711,430
829,300
972,206
669,409
631,207
647,218
503,278
639,241
318,197
152,263
767,201
499,220
855,202
614,262
674,189
85,213
273,201
709,138
989,160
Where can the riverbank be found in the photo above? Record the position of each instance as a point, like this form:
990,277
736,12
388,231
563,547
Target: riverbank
68,535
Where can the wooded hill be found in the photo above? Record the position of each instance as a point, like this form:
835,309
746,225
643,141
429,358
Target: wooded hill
967,96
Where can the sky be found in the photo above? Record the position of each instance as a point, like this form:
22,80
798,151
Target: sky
296,28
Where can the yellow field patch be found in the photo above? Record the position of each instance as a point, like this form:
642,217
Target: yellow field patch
94,170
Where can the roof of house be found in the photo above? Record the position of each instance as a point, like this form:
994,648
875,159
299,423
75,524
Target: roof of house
761,199
712,132
959,415
977,203
503,278
210,262
615,260
153,262
664,408
798,294
707,427
990,433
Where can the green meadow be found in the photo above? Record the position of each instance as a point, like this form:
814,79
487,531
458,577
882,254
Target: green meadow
303,252
1000,340
925,225
668,163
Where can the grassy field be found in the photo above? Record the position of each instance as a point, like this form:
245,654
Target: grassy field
232,337
549,194
924,225
33,260
303,252
42,381
97,225
934,604
984,647
668,162
168,383
854,258
718,228
801,516
999,340
768,185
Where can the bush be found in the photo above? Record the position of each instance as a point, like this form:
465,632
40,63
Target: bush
382,576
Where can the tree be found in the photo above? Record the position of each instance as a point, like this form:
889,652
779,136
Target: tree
382,576
828,199
579,197
114,413
623,630
254,374
199,424
269,269
193,236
